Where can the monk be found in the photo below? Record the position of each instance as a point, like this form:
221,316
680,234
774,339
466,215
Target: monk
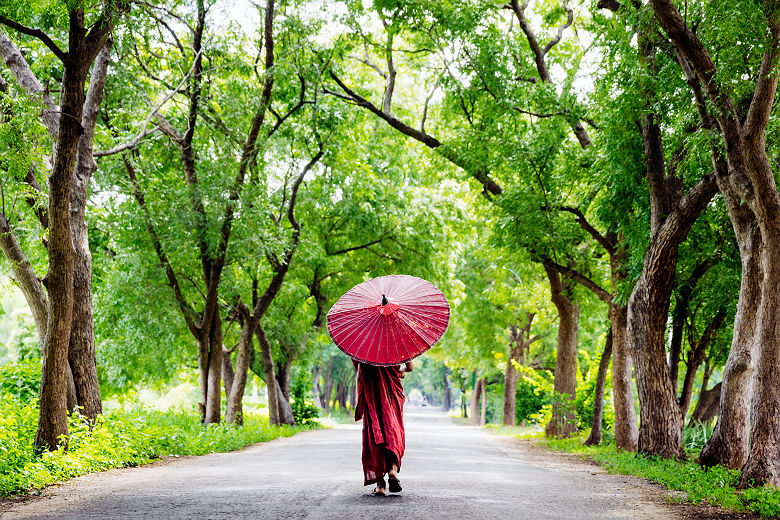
380,403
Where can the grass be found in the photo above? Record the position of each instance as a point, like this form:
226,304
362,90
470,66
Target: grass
716,486
120,439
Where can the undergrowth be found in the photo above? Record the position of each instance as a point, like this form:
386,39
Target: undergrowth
716,486
119,439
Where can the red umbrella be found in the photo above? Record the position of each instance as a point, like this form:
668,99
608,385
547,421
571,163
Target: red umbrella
389,320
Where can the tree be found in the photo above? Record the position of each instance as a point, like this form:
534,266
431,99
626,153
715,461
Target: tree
743,134
69,335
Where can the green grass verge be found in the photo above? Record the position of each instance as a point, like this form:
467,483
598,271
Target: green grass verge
121,439
716,486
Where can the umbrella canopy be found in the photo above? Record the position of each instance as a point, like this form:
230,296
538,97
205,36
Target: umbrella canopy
389,320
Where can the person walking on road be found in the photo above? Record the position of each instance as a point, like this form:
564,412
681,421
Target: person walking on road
383,324
380,403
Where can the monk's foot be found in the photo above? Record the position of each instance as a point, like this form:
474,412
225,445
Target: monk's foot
395,484
381,488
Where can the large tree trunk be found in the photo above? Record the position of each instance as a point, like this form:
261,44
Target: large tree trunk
728,445
626,430
474,405
53,421
594,439
660,431
763,464
283,393
671,217
270,378
283,376
564,418
81,353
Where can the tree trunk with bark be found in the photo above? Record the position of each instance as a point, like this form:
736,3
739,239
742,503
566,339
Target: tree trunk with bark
210,365
483,393
746,154
234,398
728,445
594,439
83,47
447,402
696,358
564,418
81,353
519,346
707,408
672,215
270,377
474,405
285,410
70,309
626,430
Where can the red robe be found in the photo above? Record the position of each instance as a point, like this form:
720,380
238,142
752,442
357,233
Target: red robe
380,404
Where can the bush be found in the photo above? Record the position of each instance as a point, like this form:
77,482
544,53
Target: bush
21,380
529,401
304,411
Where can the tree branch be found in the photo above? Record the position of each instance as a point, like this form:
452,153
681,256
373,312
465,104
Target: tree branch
356,248
184,307
387,99
490,186
24,76
569,19
581,279
608,244
36,33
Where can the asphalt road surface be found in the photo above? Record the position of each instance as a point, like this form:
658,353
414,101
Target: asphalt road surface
449,472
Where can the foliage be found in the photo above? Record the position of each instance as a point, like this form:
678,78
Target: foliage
696,436
119,439
304,411
716,486
21,380
528,401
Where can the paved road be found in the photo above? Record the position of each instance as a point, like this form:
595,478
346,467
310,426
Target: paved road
449,472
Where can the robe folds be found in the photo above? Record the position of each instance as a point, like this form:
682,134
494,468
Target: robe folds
380,403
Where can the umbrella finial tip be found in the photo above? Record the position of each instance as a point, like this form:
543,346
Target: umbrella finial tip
384,300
